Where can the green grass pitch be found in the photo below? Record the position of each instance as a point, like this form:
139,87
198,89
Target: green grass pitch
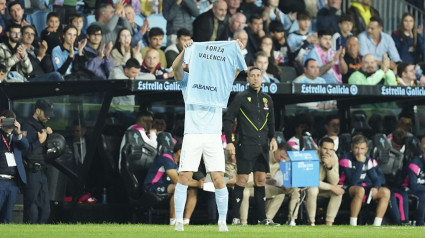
198,231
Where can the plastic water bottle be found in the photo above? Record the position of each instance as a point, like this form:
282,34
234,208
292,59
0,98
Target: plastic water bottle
104,196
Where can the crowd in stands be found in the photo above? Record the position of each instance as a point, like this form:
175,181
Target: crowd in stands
288,33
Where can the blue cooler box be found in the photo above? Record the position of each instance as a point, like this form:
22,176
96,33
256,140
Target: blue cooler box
302,170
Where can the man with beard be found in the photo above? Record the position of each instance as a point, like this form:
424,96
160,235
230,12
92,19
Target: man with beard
12,54
331,63
368,75
210,26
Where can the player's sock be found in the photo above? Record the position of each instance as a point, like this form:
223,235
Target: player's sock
377,221
353,221
260,202
180,195
222,200
237,200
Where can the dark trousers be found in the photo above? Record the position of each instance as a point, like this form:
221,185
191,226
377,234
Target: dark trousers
420,211
36,198
8,191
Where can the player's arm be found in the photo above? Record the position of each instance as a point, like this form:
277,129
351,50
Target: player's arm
177,63
172,174
240,47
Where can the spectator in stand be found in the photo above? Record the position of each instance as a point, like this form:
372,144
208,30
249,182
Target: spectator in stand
174,49
16,13
64,9
361,12
406,74
352,58
255,33
329,16
339,38
301,41
156,36
272,12
12,54
77,20
311,73
248,56
179,14
42,68
328,186
237,22
378,42
280,47
266,45
2,16
262,62
211,25
369,75
95,56
232,7
408,41
331,63
111,21
138,32
152,65
361,178
123,51
249,8
51,34
63,54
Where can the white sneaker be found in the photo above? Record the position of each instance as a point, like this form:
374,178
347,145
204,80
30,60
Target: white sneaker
172,221
222,226
179,226
186,221
292,223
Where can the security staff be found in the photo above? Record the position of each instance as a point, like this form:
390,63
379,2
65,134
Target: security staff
12,171
255,116
36,194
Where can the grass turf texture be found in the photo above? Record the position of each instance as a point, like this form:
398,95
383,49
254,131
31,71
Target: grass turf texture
153,231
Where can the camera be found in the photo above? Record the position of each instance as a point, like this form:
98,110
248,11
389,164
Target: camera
8,123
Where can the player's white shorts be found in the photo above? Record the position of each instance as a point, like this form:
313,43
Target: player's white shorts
197,145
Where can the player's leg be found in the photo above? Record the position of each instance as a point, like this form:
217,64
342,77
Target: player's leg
383,197
356,193
311,201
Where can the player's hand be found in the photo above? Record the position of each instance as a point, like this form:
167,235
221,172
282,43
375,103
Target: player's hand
337,189
42,136
230,147
273,145
17,127
374,191
187,44
240,44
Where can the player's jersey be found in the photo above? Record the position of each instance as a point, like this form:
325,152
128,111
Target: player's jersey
212,67
157,179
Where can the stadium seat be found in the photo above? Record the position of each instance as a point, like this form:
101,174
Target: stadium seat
158,20
139,19
288,74
38,19
90,19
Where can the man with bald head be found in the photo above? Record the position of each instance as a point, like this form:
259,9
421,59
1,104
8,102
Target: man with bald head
211,25
236,22
369,75
351,57
151,64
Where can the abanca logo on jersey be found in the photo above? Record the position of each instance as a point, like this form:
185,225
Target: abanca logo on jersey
205,87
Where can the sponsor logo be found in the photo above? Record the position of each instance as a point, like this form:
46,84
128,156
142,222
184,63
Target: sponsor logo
249,99
205,87
158,86
273,88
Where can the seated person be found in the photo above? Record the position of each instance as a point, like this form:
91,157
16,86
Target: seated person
52,33
406,74
361,178
369,75
311,73
123,50
173,50
331,63
77,20
63,55
301,41
328,187
416,177
301,124
151,65
162,179
262,62
352,58
339,38
156,35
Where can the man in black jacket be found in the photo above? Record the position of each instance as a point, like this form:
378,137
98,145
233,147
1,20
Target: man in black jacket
36,193
210,25
254,112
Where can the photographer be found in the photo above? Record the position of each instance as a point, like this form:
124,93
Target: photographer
36,195
11,166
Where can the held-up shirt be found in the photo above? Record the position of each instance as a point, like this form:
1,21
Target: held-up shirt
212,66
